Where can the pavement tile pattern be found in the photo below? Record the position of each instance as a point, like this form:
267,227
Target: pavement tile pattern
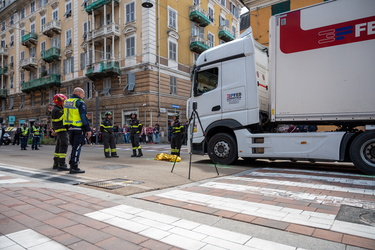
299,201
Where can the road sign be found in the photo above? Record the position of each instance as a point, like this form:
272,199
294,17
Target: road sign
163,110
175,106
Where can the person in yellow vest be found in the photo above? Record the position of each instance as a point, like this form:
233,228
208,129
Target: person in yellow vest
108,135
177,134
36,136
24,136
61,133
75,117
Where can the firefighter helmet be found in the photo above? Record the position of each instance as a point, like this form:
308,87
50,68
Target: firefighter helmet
177,116
59,99
108,113
135,115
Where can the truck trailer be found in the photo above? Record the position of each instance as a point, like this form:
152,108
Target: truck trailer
318,70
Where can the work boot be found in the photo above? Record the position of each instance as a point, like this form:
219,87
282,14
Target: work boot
139,153
134,153
63,168
106,153
114,155
55,163
74,169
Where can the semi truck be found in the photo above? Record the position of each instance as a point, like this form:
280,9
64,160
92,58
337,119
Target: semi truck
319,69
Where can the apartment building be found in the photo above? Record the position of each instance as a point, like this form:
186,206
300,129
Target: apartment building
128,55
261,11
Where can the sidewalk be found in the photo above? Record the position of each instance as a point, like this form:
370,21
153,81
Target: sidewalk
45,215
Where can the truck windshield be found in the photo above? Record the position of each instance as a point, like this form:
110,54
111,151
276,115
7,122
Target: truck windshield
205,81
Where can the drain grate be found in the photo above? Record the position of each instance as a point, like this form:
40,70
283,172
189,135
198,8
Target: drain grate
113,183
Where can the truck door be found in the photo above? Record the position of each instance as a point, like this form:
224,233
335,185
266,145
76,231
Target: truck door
207,94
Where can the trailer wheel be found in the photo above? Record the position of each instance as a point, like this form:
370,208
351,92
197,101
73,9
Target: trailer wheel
222,149
362,152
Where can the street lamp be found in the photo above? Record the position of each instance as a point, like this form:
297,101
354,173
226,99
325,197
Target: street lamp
147,4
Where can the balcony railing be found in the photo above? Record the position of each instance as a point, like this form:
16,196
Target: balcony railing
110,29
29,63
103,69
51,55
3,70
3,93
225,34
46,82
28,39
198,44
198,15
3,51
51,28
92,5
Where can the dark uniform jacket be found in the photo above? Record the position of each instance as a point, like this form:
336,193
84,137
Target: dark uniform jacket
177,128
57,116
106,126
135,126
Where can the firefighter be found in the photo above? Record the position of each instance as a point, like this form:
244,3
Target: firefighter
61,133
36,136
177,135
24,136
135,130
109,138
75,117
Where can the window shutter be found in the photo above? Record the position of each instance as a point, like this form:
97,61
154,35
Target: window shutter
72,64
131,81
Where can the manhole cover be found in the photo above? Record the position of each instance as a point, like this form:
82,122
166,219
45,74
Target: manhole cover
113,183
356,215
112,167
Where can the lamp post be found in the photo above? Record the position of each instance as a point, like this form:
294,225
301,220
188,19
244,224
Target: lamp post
96,116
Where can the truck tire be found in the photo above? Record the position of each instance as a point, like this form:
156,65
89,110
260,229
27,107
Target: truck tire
222,149
362,152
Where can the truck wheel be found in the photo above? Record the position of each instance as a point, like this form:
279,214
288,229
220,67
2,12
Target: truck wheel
362,152
222,149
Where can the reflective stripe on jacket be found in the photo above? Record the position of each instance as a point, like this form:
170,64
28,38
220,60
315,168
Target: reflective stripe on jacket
71,113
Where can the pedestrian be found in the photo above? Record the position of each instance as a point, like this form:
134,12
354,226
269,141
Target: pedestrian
24,136
135,130
17,136
75,117
36,136
144,135
177,134
150,134
126,132
157,133
60,132
109,136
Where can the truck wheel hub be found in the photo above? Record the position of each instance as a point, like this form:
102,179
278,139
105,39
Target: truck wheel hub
370,151
221,149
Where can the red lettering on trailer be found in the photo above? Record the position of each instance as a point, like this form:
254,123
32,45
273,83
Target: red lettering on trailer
294,39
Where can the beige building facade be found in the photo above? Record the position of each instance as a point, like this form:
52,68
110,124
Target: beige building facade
127,57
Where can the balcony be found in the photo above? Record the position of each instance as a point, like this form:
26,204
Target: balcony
92,5
3,70
112,29
198,15
51,55
3,93
46,82
30,39
3,52
29,64
198,44
103,69
51,28
225,34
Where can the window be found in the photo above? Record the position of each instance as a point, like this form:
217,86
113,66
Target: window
11,102
32,7
130,12
130,86
41,3
3,43
43,98
196,2
22,32
11,63
32,28
55,42
11,81
88,90
234,10
42,22
108,19
130,46
32,51
42,46
69,91
22,102
211,40
69,65
205,81
55,14
11,21
22,55
172,18
280,7
11,43
197,30
86,29
68,9
222,2
172,51
234,30
83,60
211,13
106,87
23,13
68,38
173,85
3,25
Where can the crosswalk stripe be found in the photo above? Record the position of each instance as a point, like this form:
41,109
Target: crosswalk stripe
12,181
